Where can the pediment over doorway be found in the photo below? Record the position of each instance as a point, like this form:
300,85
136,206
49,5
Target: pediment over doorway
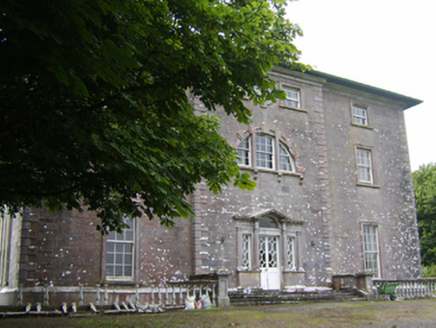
272,213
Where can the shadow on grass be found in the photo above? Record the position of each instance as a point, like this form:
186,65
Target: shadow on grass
416,313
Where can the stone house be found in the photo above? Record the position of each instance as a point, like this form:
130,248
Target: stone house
334,196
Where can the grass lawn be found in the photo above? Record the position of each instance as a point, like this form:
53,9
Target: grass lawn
415,313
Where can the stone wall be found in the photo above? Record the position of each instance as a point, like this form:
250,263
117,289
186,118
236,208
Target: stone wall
65,249
303,196
389,202
322,197
59,248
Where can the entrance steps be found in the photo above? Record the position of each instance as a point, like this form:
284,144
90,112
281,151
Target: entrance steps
257,296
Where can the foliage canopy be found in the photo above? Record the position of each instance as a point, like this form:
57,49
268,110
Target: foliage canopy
424,180
94,101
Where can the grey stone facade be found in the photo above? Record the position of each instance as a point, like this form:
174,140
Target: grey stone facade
322,202
298,227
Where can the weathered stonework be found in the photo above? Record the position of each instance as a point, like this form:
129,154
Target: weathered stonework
317,212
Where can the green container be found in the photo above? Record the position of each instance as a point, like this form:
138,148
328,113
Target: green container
388,289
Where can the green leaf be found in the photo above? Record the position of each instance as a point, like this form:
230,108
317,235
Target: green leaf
103,91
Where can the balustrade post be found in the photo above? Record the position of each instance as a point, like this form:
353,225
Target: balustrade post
194,288
433,287
152,295
136,294
159,295
223,283
173,301
427,289
166,295
364,282
400,289
97,296
214,297
20,295
46,295
80,294
106,296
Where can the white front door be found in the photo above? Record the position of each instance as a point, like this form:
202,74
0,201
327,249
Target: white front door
269,262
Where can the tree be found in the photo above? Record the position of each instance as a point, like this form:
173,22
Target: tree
94,97
424,180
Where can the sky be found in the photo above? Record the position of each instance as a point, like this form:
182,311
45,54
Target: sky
389,44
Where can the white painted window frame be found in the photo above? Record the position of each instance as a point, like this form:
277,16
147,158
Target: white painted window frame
246,151
5,223
283,231
371,249
265,152
293,96
246,252
291,262
358,118
286,155
276,156
364,165
120,239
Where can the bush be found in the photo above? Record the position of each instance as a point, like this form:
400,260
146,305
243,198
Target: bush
429,271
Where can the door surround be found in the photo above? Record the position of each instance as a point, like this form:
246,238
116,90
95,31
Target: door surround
249,230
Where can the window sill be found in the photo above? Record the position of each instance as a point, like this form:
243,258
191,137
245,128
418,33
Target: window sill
294,108
116,282
261,169
369,185
294,270
280,174
246,270
362,126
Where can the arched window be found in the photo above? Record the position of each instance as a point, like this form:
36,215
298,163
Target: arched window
268,222
259,151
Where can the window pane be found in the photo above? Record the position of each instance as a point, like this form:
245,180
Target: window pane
246,251
292,97
286,161
128,271
360,115
244,144
262,252
119,259
364,165
268,223
110,258
364,174
264,151
272,252
290,253
285,164
109,270
110,247
119,252
243,157
244,152
371,249
129,235
111,235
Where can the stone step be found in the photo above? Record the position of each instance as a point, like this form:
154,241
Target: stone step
280,297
